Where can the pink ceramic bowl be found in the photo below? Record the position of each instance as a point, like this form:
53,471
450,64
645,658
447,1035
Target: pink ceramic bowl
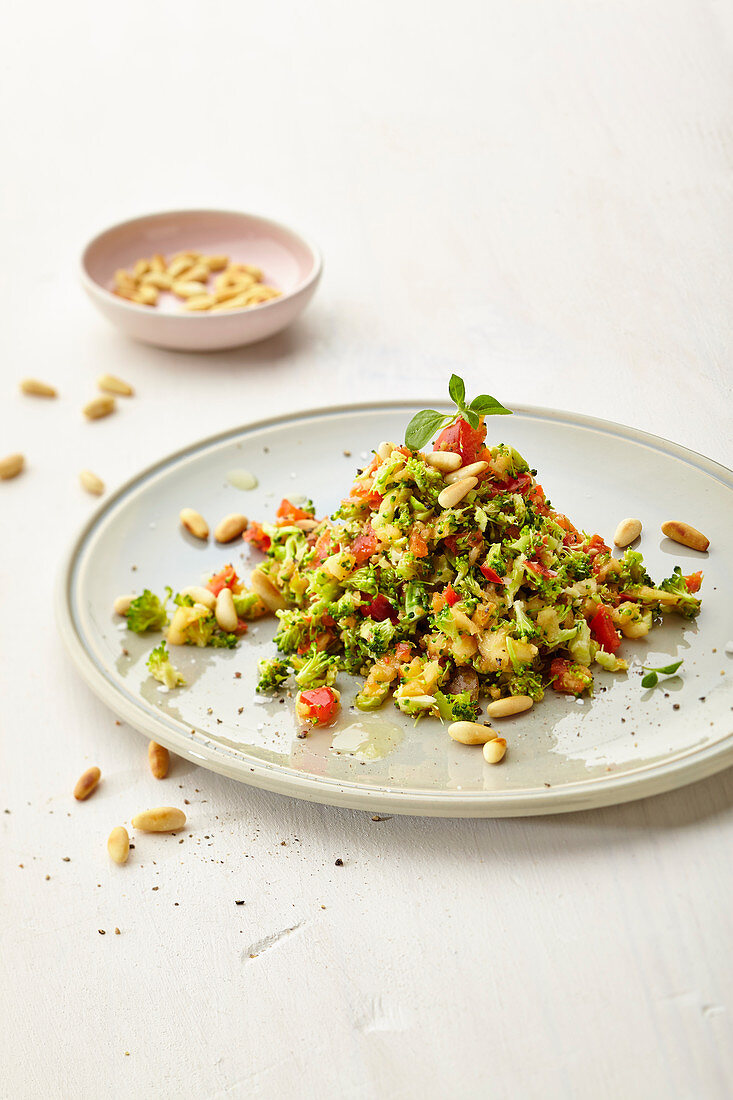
289,263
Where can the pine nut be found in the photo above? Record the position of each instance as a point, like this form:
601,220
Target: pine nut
118,844
159,759
91,483
681,532
177,267
384,450
11,466
512,704
200,302
454,494
146,295
140,268
183,289
495,751
112,384
98,407
626,532
163,819
199,273
86,783
122,604
124,280
157,264
216,263
161,280
34,388
445,461
231,527
194,523
471,733
225,613
466,471
200,594
266,590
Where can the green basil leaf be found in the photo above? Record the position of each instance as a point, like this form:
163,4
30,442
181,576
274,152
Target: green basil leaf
423,427
470,416
667,670
489,406
650,680
457,390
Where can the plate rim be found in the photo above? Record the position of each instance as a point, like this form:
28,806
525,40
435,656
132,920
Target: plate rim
595,792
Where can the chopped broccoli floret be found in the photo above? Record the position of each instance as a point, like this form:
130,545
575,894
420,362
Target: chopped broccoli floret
524,626
456,708
161,668
527,681
686,604
377,636
316,670
147,612
292,632
249,606
273,673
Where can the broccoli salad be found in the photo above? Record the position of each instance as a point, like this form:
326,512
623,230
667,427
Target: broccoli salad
445,578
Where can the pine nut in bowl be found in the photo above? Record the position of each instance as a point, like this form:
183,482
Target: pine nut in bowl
200,280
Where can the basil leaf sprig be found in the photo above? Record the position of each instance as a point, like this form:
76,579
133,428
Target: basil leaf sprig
425,424
652,679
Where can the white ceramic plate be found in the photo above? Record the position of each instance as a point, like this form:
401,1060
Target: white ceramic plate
563,755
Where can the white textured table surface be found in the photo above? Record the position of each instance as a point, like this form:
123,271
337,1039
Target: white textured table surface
537,195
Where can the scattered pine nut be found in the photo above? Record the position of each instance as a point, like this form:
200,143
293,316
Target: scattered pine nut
111,384
194,523
512,704
159,759
146,295
231,527
11,466
626,532
122,604
471,733
118,846
34,388
495,750
163,819
86,783
685,534
266,590
91,483
453,494
185,289
200,595
98,407
199,302
466,471
445,461
225,612
216,263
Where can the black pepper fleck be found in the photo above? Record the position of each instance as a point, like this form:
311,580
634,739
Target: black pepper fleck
339,863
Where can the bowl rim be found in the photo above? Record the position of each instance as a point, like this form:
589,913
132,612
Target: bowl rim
96,287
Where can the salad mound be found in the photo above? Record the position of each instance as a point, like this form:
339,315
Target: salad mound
445,577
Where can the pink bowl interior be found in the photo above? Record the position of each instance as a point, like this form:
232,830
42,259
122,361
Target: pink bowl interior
286,260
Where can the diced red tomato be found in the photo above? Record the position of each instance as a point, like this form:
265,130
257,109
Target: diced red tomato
318,705
418,545
323,546
364,546
256,535
227,578
603,630
490,574
520,484
595,545
327,619
287,514
379,609
242,626
570,678
463,439
367,494
403,652
693,581
451,595
540,569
